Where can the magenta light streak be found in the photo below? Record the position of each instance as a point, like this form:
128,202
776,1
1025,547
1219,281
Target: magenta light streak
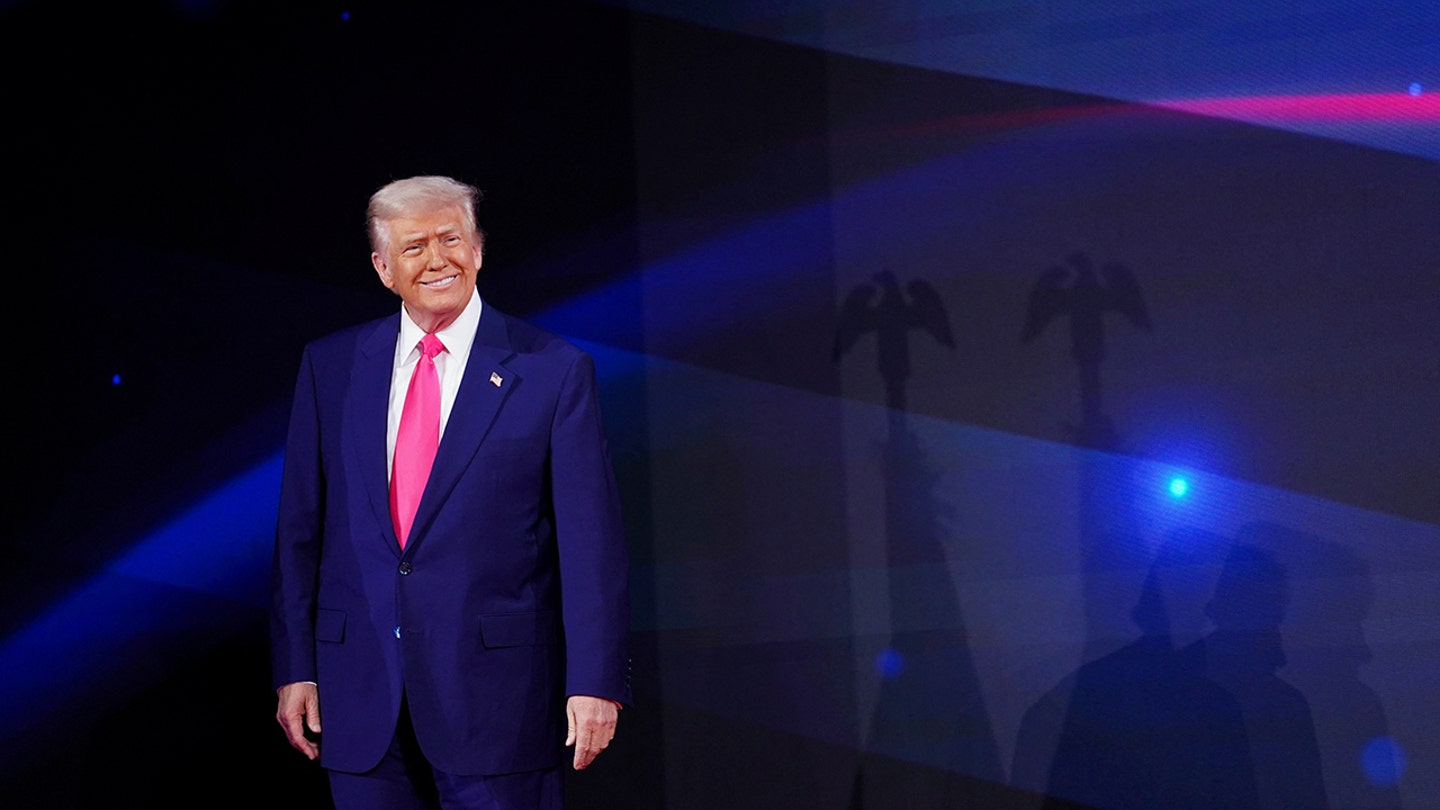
1397,107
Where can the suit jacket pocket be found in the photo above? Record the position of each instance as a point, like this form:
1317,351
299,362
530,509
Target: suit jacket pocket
520,629
330,625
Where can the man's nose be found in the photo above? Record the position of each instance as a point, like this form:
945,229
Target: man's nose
435,257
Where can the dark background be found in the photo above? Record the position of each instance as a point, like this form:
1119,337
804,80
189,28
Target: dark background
862,565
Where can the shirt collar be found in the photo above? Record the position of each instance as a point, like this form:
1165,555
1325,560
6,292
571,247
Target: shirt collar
457,337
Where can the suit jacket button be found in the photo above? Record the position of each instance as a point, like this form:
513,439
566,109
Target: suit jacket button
405,568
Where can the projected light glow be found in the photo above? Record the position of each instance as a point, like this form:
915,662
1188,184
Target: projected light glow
889,663
1383,761
205,568
1178,487
1115,50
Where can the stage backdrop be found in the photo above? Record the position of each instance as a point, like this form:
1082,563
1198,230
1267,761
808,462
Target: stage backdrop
1008,400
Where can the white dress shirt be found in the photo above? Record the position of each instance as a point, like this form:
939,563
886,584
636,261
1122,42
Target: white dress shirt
450,364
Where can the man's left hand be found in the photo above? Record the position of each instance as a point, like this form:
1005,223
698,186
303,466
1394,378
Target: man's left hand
592,727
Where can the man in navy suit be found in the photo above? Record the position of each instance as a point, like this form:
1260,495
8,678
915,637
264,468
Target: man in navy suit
453,664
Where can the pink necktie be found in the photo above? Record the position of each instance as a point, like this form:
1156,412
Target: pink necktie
417,438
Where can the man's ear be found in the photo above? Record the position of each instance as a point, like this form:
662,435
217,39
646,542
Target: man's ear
383,270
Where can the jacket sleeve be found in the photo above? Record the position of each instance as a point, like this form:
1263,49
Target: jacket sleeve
296,564
594,564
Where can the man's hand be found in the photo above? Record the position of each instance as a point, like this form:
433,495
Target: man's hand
299,707
592,727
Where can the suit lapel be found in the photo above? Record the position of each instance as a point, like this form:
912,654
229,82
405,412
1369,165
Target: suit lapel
370,404
485,387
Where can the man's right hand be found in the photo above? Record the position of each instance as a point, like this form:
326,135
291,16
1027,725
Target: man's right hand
299,707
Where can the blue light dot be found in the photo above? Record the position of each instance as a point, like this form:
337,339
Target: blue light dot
345,16
1178,487
1416,89
889,663
1383,761
115,380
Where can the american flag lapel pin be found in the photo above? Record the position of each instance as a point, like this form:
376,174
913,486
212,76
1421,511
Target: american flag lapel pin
496,379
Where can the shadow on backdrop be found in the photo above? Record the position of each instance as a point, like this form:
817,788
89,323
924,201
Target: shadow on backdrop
1330,597
929,707
1085,300
892,317
1141,727
1243,654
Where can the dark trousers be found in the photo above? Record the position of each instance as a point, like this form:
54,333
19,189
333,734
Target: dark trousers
405,780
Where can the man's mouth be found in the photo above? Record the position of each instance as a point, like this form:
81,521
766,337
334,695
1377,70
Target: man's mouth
440,283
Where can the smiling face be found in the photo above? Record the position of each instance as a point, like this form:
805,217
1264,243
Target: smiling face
430,259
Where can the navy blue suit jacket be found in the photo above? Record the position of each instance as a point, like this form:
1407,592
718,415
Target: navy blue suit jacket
511,593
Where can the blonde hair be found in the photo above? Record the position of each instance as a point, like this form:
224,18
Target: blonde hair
415,194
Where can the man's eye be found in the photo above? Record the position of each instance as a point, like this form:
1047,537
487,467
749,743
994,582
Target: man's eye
413,249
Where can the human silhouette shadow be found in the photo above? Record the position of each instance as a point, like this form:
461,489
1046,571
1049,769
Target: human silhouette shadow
1327,616
1142,727
1243,655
